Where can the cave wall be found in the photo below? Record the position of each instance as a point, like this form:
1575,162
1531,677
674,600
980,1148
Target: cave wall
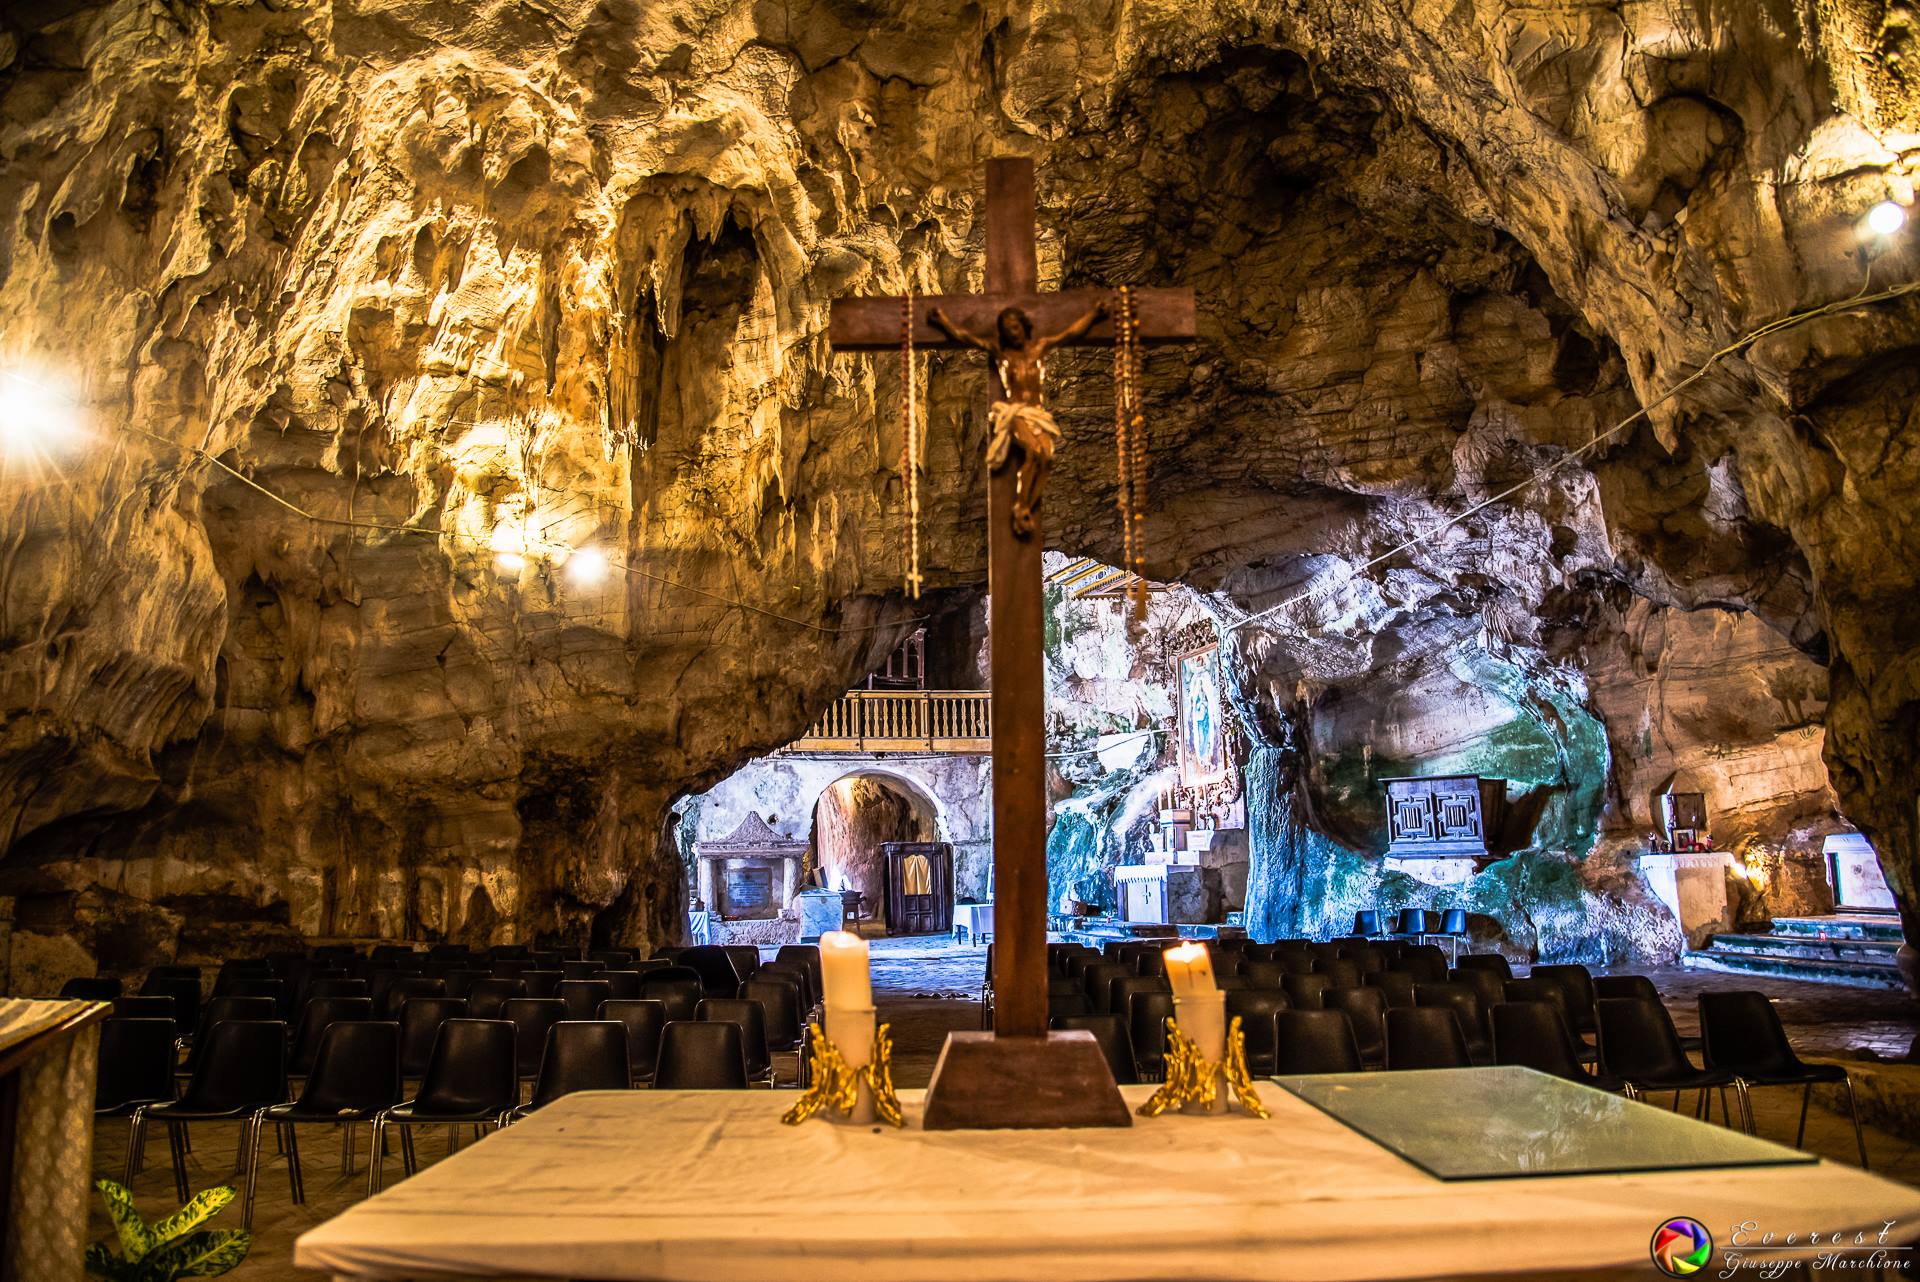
478,291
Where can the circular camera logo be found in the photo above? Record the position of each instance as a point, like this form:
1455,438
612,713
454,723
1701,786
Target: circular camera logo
1682,1247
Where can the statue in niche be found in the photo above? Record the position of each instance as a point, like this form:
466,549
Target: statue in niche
1019,358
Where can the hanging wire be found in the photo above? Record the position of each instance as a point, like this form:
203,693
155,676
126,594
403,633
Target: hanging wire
1861,299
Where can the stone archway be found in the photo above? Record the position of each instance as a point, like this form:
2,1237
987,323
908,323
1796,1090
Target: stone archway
852,817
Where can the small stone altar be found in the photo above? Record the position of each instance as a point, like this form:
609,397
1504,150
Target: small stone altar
748,880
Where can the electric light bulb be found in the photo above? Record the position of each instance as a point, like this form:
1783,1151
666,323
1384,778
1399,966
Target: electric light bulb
511,562
1886,218
587,565
34,417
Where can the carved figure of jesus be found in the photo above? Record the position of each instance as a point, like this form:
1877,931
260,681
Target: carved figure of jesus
1019,357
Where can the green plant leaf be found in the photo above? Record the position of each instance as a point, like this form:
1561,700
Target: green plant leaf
205,1205
135,1238
205,1254
102,1262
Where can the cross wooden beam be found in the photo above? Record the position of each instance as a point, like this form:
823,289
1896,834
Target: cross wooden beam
1024,1077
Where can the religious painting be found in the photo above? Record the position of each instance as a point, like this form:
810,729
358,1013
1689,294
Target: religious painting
1203,754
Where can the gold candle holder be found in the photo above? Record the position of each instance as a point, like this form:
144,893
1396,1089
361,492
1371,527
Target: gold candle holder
1193,1080
859,1093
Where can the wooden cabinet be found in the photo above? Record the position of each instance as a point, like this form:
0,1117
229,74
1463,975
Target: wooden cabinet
1443,816
919,887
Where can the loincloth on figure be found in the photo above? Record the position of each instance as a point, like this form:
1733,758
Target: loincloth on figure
1009,419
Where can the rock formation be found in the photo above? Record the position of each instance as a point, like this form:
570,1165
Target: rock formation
386,319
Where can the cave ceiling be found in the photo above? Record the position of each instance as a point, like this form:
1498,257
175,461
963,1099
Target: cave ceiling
538,279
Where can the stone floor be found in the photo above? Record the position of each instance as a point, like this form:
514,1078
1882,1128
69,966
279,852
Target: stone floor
928,986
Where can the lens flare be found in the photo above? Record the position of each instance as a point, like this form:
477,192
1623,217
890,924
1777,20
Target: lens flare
1886,218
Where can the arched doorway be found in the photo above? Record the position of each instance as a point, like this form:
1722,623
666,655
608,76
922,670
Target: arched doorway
853,816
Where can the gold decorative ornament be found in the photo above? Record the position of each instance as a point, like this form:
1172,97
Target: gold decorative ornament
1192,1078
836,1084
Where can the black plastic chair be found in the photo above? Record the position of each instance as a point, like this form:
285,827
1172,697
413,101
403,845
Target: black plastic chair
644,1020
1366,1010
1261,973
147,1006
1256,1008
1577,983
1465,1005
420,1021
582,969
356,1075
781,1001
1741,1033
1537,990
470,1080
1097,982
1638,1044
1296,962
1121,991
682,996
1314,1041
1452,928
531,1018
1394,985
1412,923
1306,992
794,971
510,967
717,974
1533,1034
460,981
580,1055
1486,985
338,988
1367,923
217,1010
543,983
1485,961
1147,1016
185,992
136,1068
406,989
752,1019
1426,962
91,988
622,985
310,1032
1110,1031
1425,1037
582,997
242,1070
613,957
1341,972
698,1056
488,998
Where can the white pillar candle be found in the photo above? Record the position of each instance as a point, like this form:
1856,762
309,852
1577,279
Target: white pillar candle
844,978
1189,969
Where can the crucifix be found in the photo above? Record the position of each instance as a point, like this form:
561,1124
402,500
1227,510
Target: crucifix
1020,1075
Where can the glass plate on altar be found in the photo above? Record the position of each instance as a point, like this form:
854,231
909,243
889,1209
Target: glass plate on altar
1494,1123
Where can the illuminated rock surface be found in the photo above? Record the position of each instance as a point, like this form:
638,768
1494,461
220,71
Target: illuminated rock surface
540,278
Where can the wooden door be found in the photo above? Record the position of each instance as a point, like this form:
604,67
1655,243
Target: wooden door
919,887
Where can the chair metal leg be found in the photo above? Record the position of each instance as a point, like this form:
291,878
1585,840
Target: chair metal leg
1806,1098
1853,1110
296,1177
250,1144
1724,1119
1743,1095
177,1143
133,1142
376,1155
409,1160
346,1149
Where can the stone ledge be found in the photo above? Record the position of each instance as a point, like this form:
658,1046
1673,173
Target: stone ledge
1888,1094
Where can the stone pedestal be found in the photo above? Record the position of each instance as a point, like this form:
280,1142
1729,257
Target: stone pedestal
1693,886
820,911
1165,893
1445,870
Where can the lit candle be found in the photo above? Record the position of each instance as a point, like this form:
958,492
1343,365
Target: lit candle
844,977
847,989
1189,969
1199,1007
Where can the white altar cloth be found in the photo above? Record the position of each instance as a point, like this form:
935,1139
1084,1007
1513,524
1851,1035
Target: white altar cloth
709,1187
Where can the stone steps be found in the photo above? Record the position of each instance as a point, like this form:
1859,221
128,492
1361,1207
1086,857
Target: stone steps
1855,951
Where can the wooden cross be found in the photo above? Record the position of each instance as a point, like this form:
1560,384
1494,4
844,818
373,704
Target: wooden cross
1014,569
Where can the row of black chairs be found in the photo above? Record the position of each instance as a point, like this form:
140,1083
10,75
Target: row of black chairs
472,1075
1355,1004
390,977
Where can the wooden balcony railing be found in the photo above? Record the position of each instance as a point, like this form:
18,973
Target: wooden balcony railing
903,721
